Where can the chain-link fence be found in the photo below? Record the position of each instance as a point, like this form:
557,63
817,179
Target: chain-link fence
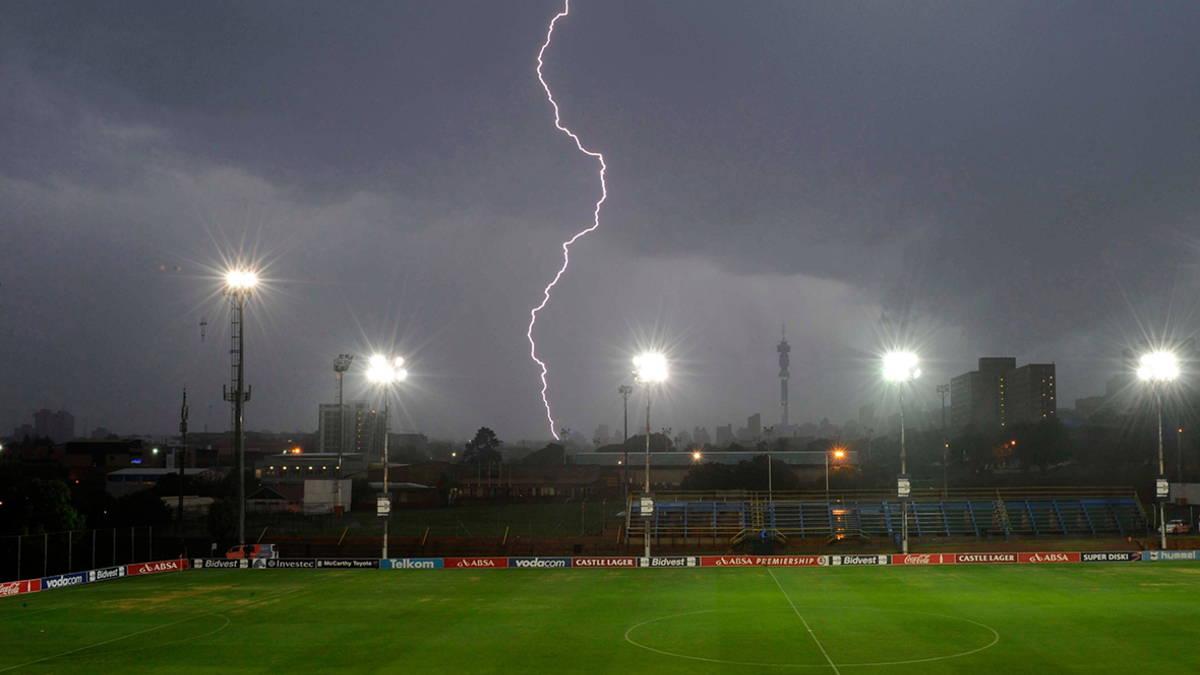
29,556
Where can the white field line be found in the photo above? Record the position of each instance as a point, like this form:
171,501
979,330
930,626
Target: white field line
802,620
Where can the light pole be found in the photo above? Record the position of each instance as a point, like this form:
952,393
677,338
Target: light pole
385,372
238,286
901,368
181,456
651,369
943,390
770,473
340,365
838,454
1159,369
625,390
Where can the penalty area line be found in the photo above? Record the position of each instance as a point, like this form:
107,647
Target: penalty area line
805,622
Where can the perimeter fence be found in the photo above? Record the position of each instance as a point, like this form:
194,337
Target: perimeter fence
30,556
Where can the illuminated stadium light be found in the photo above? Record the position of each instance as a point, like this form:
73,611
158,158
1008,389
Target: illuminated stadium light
651,368
1158,367
901,367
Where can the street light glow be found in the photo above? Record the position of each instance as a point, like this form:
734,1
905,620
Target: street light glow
651,368
839,453
241,279
1158,367
901,367
696,455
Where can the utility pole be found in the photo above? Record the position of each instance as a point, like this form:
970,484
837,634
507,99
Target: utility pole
181,457
341,364
943,390
625,390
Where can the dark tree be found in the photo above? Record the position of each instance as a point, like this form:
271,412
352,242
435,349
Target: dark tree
551,454
485,447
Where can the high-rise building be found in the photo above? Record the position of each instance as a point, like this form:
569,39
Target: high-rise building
979,396
754,426
784,349
1029,394
58,426
724,435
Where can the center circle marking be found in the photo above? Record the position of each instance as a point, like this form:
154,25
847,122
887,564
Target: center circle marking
995,640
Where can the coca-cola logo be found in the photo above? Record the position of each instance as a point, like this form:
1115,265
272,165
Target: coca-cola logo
924,559
11,588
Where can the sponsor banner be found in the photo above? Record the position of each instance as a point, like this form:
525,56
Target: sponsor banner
604,562
106,574
1165,556
18,587
980,558
766,561
64,580
533,563
1054,557
156,567
858,560
923,559
1110,556
287,563
219,564
348,563
412,564
669,561
475,563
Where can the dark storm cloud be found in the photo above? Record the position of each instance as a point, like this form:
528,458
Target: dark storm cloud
1011,178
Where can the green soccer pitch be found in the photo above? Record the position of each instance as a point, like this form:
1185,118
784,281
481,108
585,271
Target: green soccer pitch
1094,618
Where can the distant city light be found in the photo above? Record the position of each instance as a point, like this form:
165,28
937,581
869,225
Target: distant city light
1158,367
901,367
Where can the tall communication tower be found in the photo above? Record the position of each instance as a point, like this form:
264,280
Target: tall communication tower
784,349
340,365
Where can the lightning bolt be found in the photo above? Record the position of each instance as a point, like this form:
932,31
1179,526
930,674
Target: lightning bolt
566,247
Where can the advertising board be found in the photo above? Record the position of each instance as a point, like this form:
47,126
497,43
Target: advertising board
669,561
412,564
1051,557
764,561
106,573
1167,556
854,560
1110,556
220,564
156,567
980,558
64,580
475,563
290,564
347,563
18,587
539,563
628,561
923,559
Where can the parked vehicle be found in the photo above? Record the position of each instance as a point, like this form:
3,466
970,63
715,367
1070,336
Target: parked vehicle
1177,527
252,551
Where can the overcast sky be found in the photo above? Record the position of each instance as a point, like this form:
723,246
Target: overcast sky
972,179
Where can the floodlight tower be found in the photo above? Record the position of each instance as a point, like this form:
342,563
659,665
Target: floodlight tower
651,370
625,390
385,372
181,456
1159,369
900,368
340,365
239,283
784,349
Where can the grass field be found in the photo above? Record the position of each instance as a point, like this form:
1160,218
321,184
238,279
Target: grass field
1093,618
